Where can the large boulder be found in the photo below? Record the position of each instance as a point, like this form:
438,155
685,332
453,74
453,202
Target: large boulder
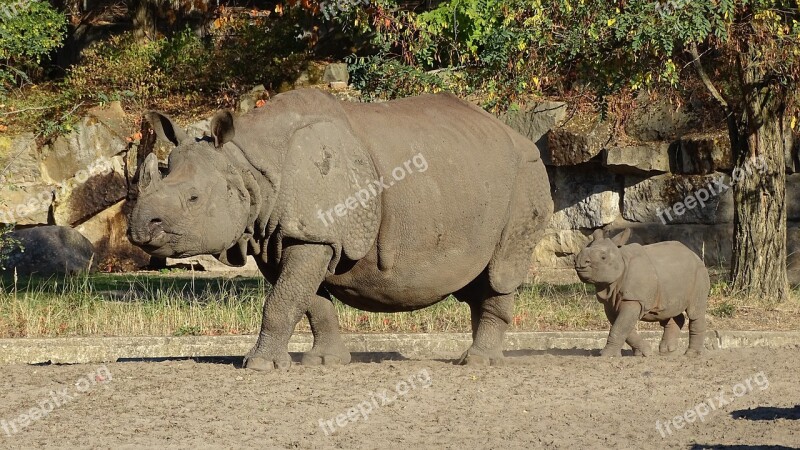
646,158
25,197
584,197
108,233
659,120
50,250
701,154
577,141
678,199
535,119
557,248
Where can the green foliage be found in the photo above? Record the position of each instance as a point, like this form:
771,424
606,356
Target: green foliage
29,31
7,245
378,77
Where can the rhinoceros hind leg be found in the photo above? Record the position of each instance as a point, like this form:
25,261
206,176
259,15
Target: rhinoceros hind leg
490,319
328,348
672,332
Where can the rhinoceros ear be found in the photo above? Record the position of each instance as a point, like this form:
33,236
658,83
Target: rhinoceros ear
149,175
165,128
222,129
597,235
620,239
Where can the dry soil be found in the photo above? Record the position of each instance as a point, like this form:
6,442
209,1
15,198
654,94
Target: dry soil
751,397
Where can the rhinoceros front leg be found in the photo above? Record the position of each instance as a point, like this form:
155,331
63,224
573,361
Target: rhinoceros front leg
640,346
302,270
625,323
490,319
328,347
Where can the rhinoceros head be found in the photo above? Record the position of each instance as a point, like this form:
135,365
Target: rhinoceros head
601,261
201,206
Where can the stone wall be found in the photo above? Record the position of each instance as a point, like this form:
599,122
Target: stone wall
635,177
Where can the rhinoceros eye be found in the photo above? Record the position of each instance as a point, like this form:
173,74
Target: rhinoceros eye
194,198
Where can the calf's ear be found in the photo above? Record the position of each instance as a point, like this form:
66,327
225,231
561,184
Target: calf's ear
222,129
620,239
165,128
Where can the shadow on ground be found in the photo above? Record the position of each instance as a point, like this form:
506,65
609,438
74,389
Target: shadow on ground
768,413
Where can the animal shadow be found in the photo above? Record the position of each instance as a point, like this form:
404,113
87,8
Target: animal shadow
768,413
740,447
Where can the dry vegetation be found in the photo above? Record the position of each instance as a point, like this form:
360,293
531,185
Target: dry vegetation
141,305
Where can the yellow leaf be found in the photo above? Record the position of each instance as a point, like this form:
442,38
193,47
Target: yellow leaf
611,21
794,122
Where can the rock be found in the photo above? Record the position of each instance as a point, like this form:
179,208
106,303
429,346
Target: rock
659,120
250,100
702,154
584,197
557,248
793,196
108,232
712,243
638,159
26,204
338,85
534,120
86,195
791,145
312,75
19,160
50,250
577,141
678,199
92,142
336,72
208,263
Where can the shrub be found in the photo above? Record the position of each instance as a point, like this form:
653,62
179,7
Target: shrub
29,31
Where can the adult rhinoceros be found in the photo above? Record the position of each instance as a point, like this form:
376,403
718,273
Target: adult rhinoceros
455,201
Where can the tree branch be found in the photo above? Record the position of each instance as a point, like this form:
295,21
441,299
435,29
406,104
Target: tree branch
701,72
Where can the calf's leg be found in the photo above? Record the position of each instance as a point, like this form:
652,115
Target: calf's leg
640,346
627,316
672,332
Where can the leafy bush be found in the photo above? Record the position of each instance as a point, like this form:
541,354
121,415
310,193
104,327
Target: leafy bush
29,31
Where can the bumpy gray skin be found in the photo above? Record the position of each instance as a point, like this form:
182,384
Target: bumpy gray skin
653,283
466,225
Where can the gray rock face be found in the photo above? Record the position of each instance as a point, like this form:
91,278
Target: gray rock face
703,154
107,231
583,197
638,159
655,120
534,120
576,142
557,248
336,72
24,196
250,100
50,250
678,199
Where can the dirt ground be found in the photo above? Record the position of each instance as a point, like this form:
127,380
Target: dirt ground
749,398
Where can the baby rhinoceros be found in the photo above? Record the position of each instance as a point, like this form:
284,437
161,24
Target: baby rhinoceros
653,283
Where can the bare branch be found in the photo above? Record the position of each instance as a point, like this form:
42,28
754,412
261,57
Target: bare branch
701,72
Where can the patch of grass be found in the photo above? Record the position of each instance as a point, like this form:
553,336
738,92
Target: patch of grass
182,305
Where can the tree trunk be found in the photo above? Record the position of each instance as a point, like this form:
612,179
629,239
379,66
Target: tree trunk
758,269
144,19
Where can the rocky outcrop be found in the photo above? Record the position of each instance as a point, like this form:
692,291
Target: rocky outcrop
49,250
584,197
641,159
577,141
678,199
534,120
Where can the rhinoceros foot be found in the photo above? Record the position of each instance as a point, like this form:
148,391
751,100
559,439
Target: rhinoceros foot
264,363
475,357
331,357
693,352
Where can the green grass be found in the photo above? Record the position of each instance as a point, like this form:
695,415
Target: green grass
181,305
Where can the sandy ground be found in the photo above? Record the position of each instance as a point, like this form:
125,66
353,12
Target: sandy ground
536,401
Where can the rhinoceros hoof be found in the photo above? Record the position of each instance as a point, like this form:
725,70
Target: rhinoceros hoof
611,353
693,352
325,359
473,358
642,352
263,363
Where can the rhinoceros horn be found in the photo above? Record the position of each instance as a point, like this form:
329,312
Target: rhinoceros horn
150,176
